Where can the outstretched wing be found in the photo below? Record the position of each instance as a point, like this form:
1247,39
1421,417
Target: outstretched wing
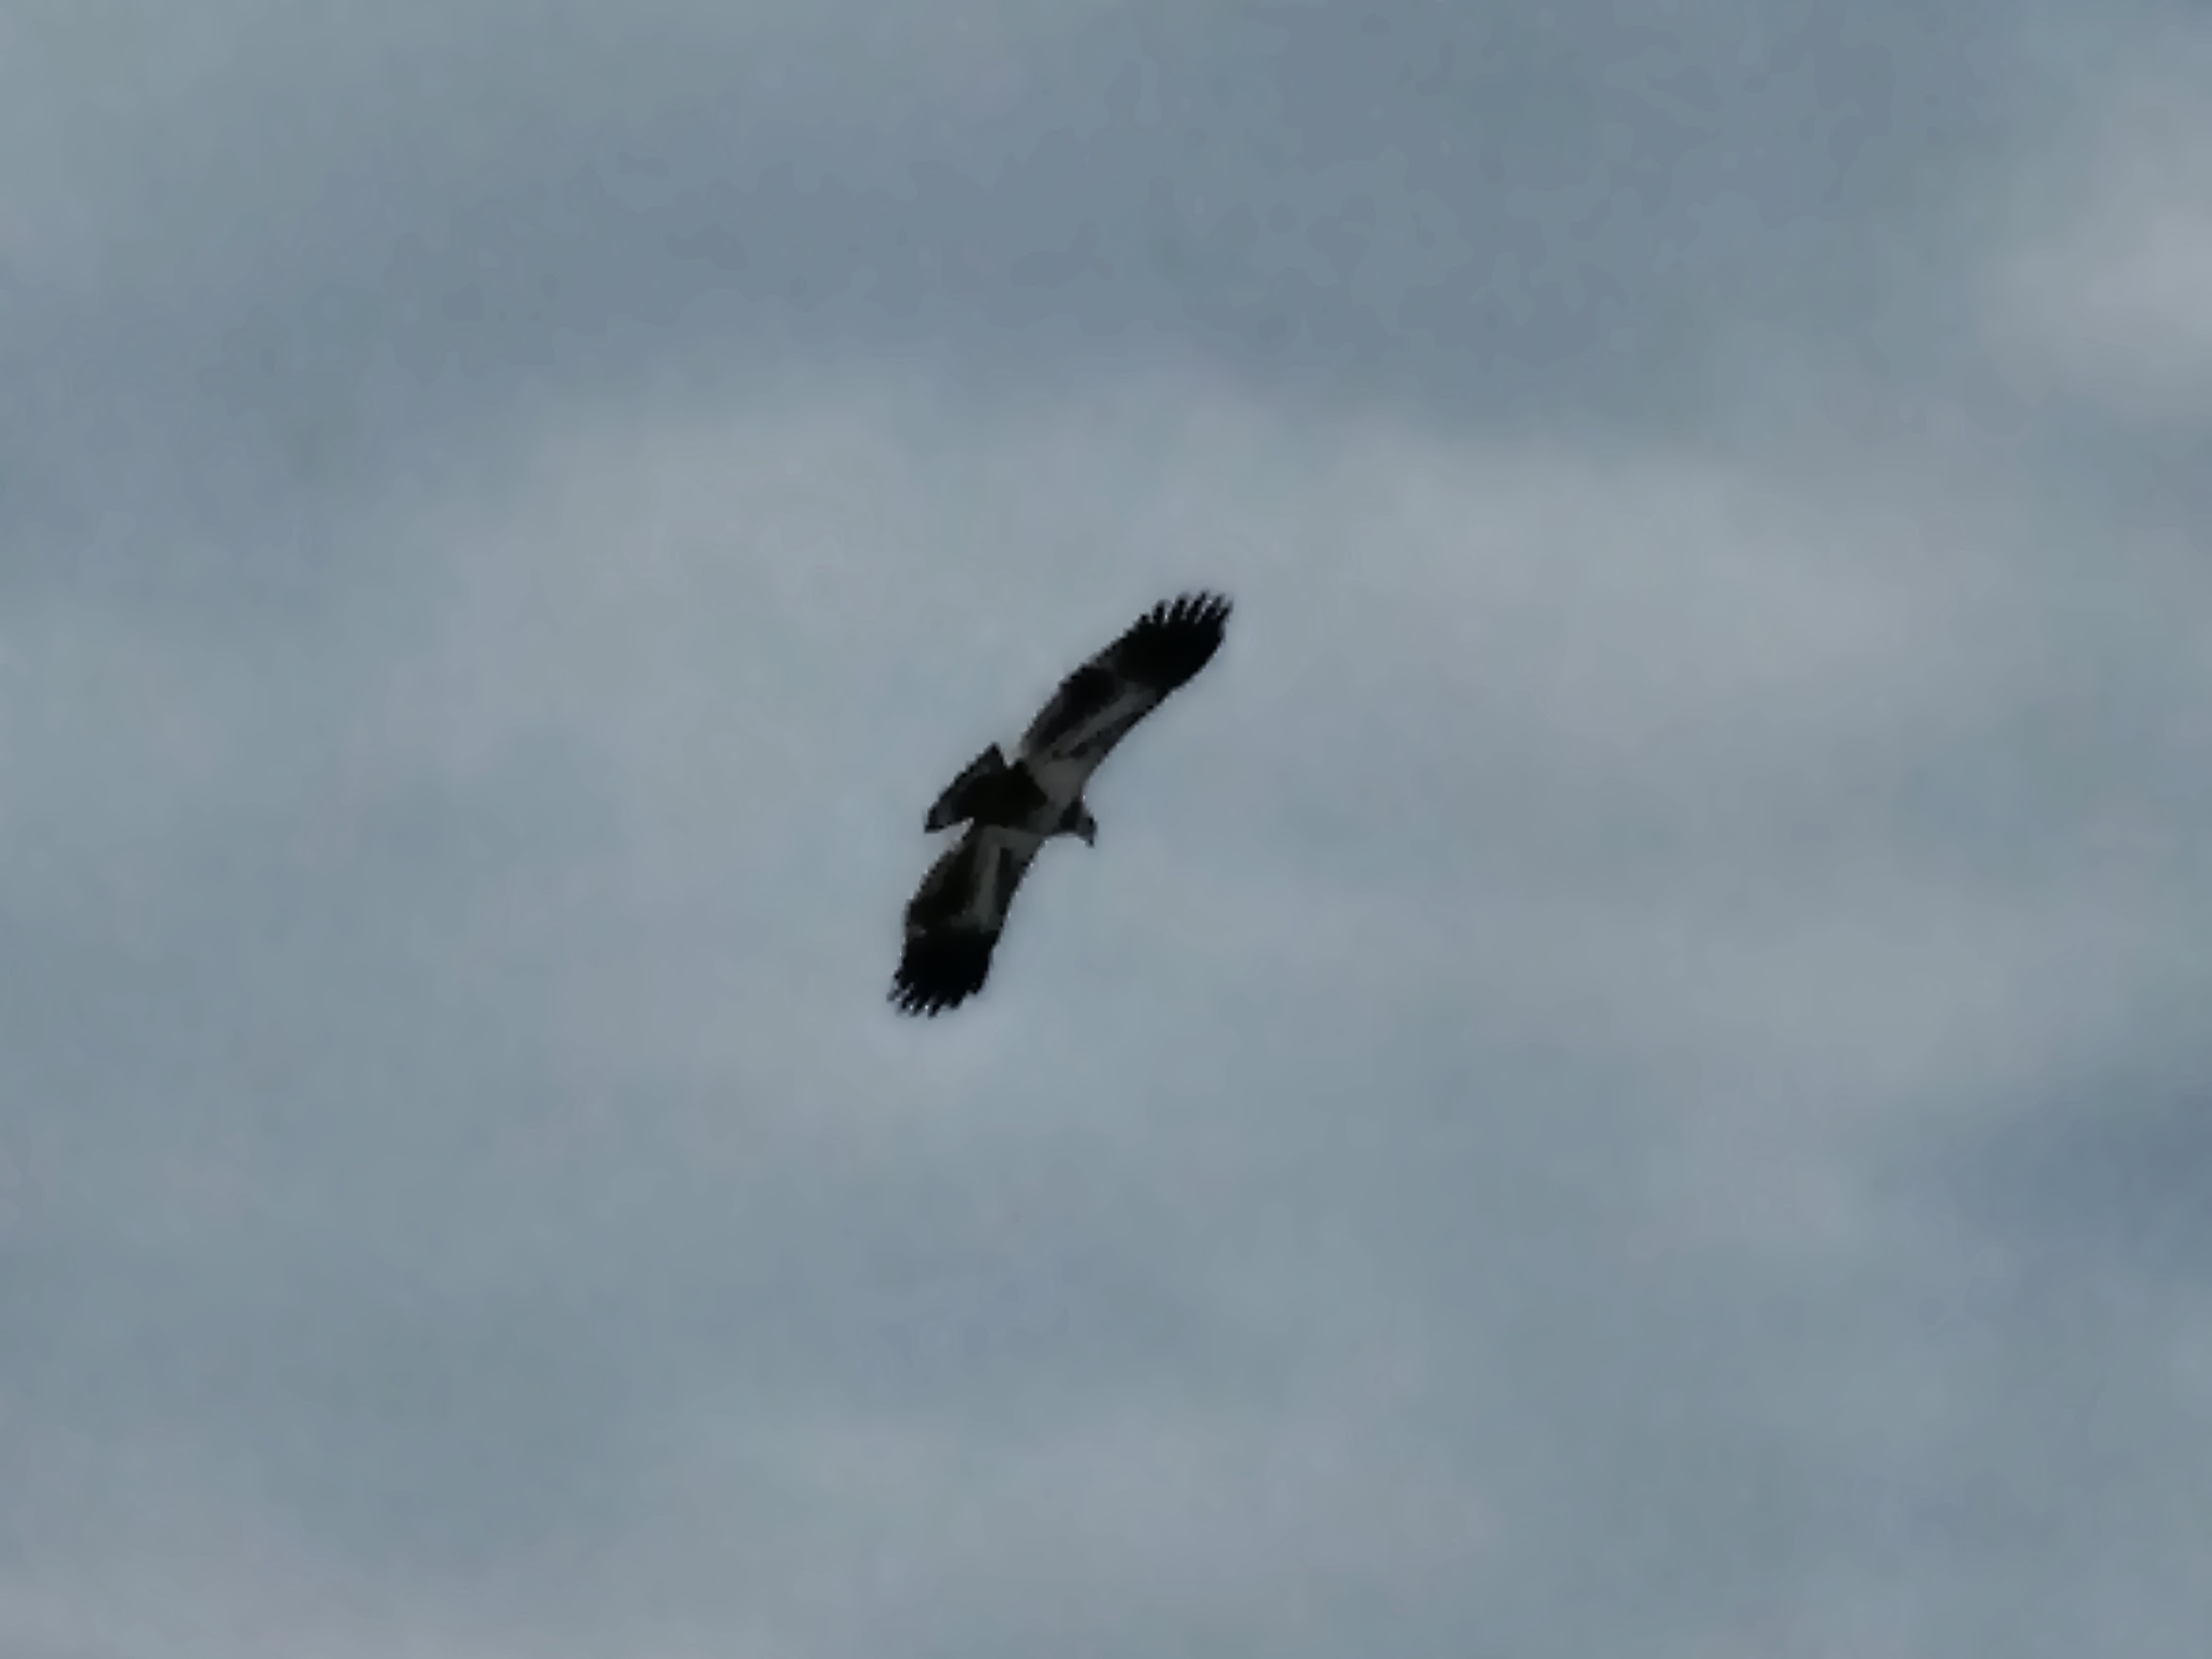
956,917
1095,706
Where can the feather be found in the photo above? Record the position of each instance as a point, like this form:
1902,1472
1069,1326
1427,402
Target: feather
956,917
1095,708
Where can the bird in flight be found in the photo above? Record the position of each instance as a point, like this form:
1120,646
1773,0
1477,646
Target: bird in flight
1013,809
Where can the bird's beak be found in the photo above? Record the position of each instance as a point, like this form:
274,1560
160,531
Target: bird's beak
1091,835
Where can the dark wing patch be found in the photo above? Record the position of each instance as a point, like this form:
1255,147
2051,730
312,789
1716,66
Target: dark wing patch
1095,706
1006,874
949,888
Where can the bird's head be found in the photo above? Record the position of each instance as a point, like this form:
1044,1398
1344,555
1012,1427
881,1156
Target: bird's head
1082,825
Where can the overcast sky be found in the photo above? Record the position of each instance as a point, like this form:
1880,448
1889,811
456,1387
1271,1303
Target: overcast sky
1628,1076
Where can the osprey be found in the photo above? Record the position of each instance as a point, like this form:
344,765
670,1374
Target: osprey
1013,809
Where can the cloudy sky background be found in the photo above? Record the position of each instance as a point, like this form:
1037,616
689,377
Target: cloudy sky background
1627,1075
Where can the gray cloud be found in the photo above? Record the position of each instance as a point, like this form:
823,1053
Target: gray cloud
350,238
1622,1076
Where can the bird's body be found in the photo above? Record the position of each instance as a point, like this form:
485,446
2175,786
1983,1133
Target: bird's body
1010,795
1013,807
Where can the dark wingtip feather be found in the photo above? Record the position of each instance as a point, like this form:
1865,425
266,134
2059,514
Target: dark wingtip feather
1199,608
1175,638
940,971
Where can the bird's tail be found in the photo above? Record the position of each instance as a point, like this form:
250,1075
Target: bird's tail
958,799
